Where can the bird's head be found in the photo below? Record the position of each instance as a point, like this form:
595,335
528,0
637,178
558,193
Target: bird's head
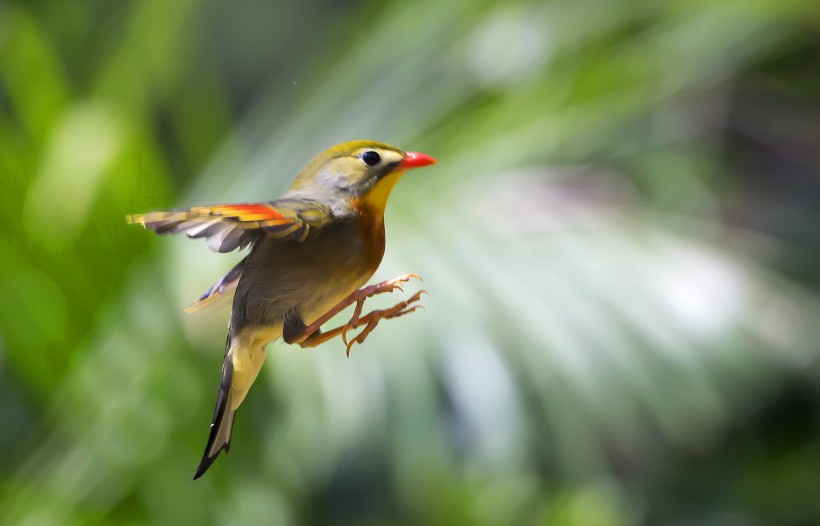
363,171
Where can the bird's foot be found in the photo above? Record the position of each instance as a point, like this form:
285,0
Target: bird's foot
312,335
372,319
390,285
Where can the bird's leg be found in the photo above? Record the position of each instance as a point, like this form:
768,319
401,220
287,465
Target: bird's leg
311,335
371,319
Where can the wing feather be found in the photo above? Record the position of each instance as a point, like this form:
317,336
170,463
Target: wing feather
220,290
229,227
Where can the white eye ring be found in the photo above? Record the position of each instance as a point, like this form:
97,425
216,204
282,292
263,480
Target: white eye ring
370,158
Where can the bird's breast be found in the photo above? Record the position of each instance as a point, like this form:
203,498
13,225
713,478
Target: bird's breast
309,277
356,262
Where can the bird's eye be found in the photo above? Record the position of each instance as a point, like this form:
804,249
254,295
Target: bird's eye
371,158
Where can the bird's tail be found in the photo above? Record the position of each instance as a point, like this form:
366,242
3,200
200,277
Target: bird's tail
239,370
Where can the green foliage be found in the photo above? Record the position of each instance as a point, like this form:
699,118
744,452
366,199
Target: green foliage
618,241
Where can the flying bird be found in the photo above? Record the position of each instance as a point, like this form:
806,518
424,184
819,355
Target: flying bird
311,251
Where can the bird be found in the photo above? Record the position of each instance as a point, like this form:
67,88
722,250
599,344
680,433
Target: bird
311,252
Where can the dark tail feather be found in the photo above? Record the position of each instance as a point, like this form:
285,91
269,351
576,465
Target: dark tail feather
220,437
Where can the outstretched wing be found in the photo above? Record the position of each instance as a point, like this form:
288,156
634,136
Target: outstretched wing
228,227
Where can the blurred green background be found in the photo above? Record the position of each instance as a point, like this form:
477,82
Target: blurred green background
620,242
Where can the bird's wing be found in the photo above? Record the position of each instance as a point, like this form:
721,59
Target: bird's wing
220,290
228,227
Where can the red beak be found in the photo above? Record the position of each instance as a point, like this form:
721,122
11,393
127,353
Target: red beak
416,160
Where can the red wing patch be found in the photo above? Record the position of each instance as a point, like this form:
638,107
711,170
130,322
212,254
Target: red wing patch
249,212
227,227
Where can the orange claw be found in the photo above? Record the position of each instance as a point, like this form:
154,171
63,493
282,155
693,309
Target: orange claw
371,320
311,338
